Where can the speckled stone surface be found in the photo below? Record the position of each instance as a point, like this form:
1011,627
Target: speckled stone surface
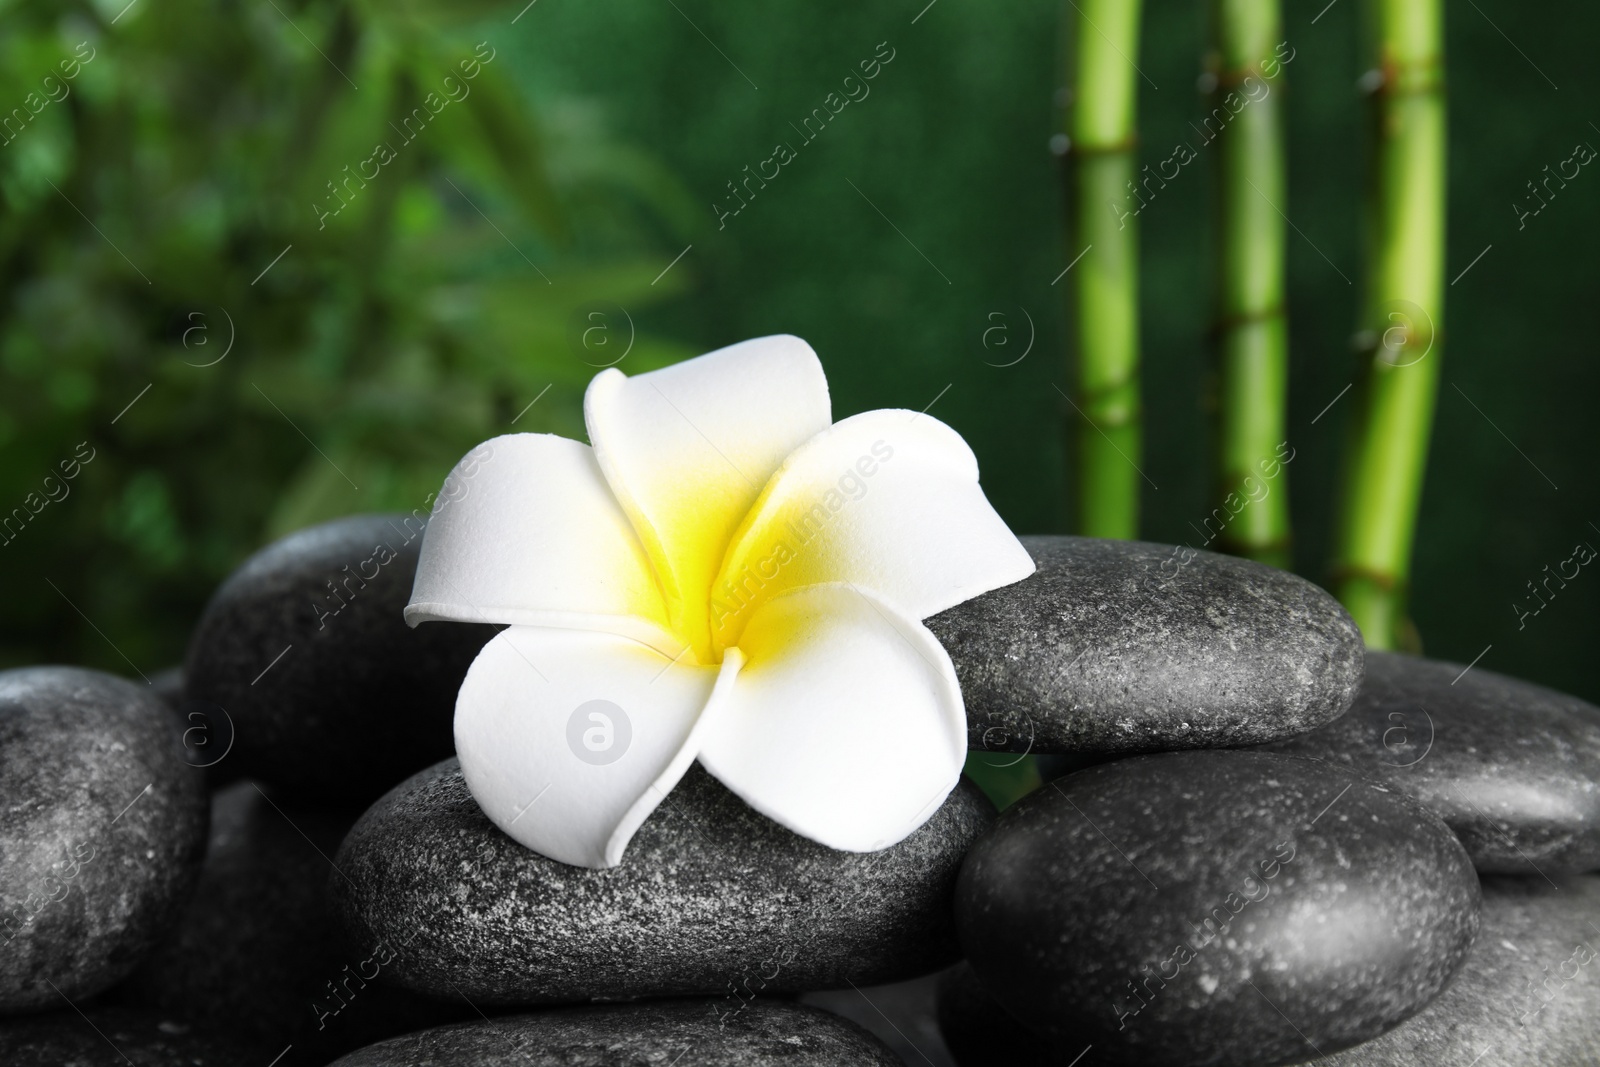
359,700
102,827
257,951
114,1037
1124,646
1220,908
1514,768
1529,995
710,898
653,1034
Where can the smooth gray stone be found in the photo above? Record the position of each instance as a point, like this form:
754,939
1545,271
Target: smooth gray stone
358,700
102,826
114,1037
1124,646
710,898
659,1032
258,952
1512,767
1238,908
1529,995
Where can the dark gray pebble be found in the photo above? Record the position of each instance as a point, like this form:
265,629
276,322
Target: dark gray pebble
1238,908
1512,767
305,652
1123,646
1529,995
711,898
652,1034
102,827
258,952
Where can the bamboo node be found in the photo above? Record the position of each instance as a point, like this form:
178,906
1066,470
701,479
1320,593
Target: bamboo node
1109,148
1353,572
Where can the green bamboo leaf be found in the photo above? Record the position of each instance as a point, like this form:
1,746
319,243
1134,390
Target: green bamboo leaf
508,137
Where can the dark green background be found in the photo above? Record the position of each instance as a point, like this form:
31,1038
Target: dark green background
952,146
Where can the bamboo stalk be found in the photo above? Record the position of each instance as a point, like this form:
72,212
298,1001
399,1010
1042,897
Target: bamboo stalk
1105,282
1402,314
1251,330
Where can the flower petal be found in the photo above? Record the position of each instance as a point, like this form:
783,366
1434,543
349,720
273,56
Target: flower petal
526,531
688,448
845,723
886,500
568,739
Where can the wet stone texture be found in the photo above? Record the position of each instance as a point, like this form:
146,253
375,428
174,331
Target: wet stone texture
1512,767
1124,646
1529,994
102,828
1237,908
711,898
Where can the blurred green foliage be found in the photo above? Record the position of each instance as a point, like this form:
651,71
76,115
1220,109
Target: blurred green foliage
203,132
199,223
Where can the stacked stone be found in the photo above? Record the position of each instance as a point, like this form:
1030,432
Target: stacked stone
351,891
1271,853
1384,867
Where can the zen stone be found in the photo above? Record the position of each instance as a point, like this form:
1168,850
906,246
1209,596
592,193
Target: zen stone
1529,996
1123,646
114,1037
710,898
1512,767
305,652
765,1034
1242,908
102,826
258,948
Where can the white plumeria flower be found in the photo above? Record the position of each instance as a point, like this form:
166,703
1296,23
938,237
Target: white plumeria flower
725,575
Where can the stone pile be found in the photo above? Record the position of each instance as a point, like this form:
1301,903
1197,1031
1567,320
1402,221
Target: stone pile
1279,849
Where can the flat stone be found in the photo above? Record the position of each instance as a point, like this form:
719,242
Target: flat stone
1243,908
1529,995
102,827
765,1034
1124,646
710,898
1512,767
257,951
305,651
114,1037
